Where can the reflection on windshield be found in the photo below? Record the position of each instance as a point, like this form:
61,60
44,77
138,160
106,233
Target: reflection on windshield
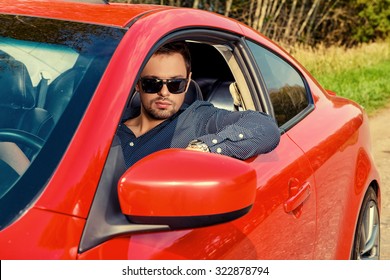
49,70
52,60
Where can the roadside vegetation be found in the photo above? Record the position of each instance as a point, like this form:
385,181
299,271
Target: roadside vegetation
309,22
360,73
345,44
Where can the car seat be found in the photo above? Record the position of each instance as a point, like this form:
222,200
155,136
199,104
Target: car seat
61,90
222,94
17,102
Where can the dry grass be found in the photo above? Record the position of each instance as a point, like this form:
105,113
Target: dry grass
324,60
361,73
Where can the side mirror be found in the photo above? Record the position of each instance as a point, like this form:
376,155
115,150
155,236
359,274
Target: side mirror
186,189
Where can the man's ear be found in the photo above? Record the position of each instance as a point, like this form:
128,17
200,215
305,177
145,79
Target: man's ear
137,87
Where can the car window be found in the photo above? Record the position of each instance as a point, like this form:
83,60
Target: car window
49,70
284,84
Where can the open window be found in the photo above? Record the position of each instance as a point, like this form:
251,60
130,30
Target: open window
217,71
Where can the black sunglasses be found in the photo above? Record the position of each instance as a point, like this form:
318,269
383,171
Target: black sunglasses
154,85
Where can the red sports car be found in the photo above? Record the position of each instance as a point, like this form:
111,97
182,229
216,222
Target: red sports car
67,76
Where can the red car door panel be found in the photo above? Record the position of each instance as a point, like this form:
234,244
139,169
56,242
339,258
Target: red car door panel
266,232
334,160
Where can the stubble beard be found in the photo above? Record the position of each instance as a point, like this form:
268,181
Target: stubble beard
160,114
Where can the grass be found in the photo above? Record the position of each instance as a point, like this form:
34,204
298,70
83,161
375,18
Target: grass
361,73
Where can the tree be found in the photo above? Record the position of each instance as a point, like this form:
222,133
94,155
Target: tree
374,16
309,22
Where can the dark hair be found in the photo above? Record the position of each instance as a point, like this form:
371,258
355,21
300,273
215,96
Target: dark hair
177,47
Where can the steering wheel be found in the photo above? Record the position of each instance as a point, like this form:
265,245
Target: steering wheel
21,137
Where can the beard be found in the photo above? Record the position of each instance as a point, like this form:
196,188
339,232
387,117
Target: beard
155,113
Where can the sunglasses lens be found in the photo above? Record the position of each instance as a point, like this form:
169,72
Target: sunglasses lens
177,85
151,85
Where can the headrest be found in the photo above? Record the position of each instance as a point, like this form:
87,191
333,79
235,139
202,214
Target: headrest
225,95
15,84
193,93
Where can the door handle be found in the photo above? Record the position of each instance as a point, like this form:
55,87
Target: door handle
298,196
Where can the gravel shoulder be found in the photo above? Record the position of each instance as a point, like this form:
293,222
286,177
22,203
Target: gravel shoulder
380,135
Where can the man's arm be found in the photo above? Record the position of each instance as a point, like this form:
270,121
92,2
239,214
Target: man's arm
240,134
14,157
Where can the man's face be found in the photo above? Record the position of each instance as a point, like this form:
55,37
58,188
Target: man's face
163,104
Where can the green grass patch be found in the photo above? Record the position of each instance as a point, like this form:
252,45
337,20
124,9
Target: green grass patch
361,73
369,86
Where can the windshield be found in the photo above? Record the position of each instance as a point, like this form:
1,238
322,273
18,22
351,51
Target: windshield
49,70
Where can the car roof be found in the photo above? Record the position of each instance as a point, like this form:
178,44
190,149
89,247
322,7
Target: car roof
89,11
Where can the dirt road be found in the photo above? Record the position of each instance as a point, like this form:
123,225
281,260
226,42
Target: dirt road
380,132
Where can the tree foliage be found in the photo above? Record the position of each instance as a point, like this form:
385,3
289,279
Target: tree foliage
374,19
308,22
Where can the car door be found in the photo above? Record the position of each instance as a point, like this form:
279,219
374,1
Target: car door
287,190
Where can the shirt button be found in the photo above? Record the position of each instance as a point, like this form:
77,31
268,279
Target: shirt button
219,150
131,144
241,135
215,141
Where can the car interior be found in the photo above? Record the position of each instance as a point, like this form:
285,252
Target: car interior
212,74
19,117
18,110
30,107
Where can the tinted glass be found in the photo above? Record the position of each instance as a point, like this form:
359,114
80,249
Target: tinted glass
284,84
49,70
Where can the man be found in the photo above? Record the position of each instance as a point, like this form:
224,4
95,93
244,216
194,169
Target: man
165,122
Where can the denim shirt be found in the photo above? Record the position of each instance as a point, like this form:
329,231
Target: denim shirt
236,134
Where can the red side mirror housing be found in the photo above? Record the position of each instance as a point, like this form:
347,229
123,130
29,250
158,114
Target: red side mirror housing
185,189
